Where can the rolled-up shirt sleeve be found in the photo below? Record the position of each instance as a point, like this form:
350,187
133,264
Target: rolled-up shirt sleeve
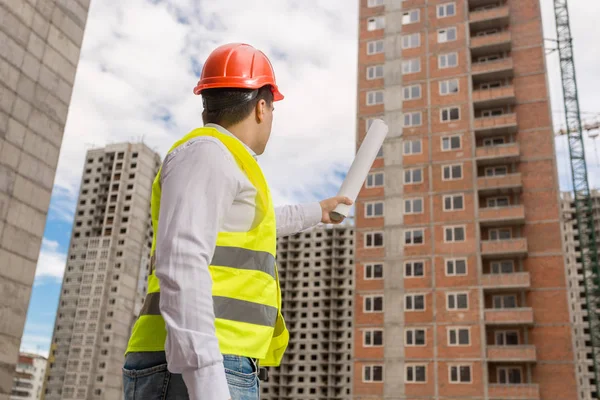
199,186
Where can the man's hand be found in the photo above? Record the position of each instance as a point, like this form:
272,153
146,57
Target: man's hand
329,205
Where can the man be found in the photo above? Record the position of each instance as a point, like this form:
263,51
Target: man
216,315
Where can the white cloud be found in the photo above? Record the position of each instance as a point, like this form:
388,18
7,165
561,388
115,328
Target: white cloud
37,337
139,57
51,263
131,73
36,344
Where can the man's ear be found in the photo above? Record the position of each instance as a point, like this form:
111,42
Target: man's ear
260,110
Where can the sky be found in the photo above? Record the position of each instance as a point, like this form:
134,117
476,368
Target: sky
141,59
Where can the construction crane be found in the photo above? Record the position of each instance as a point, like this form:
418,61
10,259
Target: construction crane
584,127
583,201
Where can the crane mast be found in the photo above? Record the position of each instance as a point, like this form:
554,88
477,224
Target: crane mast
581,189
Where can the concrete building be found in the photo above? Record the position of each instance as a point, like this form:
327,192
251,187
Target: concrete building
29,377
105,276
315,271
575,276
463,213
39,51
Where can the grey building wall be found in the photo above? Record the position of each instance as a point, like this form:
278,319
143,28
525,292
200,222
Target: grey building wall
394,291
315,270
106,271
576,285
39,51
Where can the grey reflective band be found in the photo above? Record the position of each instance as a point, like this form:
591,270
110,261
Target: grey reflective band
244,311
240,258
151,304
225,308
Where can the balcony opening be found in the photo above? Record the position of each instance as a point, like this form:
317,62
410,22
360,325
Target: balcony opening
488,58
496,171
500,234
482,5
506,338
495,141
495,112
491,85
484,14
502,267
504,301
496,202
510,375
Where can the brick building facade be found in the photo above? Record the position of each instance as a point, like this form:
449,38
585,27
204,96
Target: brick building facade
461,214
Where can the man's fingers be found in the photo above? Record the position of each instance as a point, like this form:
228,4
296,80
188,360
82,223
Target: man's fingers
346,201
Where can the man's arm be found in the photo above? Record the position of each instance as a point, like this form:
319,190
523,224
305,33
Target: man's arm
294,219
199,186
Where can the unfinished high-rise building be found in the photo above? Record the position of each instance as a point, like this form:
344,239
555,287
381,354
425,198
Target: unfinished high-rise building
105,275
316,271
29,377
461,211
577,294
39,53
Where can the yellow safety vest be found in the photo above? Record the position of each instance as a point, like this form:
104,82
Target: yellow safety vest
246,292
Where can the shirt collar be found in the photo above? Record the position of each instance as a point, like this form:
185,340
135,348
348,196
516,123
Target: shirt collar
226,132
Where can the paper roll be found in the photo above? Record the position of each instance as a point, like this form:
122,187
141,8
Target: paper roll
360,167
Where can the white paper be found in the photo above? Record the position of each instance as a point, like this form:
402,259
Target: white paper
360,167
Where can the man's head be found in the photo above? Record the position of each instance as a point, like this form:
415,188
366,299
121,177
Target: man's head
238,89
245,112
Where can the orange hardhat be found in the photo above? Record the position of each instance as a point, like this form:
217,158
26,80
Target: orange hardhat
237,65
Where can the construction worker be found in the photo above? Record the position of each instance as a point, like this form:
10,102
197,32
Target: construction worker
214,321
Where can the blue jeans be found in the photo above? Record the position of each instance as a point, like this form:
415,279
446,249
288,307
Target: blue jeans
146,377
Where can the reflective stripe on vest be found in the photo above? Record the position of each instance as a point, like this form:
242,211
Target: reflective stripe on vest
237,257
225,308
228,308
245,290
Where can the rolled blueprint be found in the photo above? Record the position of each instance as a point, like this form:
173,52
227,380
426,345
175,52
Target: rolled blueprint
360,167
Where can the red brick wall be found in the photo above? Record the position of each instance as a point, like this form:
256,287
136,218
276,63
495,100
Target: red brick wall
550,333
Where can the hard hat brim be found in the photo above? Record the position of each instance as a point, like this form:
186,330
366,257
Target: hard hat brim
277,95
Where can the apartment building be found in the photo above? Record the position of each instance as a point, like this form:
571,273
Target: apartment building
106,272
316,272
462,213
577,297
39,52
29,377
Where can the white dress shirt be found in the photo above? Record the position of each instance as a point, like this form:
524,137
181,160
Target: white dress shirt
204,192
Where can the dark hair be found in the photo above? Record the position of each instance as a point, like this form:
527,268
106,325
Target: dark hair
240,107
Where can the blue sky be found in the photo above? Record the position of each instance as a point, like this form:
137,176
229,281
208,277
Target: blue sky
134,82
46,289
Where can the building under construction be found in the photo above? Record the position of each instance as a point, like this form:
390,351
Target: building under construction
577,296
316,273
463,211
105,276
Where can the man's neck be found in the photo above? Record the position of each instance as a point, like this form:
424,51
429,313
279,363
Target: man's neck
227,132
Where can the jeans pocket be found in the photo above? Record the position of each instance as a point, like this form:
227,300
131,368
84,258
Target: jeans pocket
149,383
241,379
240,372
